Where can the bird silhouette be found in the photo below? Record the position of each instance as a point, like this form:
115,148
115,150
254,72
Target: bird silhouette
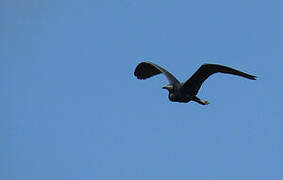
186,91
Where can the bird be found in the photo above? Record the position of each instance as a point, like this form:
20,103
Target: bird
188,90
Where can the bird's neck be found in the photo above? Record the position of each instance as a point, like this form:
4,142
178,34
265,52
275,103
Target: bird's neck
172,96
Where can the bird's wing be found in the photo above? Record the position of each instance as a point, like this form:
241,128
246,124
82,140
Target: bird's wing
194,83
148,69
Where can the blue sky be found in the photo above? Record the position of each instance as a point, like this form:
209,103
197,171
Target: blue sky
72,109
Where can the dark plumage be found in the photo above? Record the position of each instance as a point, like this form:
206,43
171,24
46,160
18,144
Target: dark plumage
187,91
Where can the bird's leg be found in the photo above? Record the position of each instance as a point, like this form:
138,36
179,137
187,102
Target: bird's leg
202,102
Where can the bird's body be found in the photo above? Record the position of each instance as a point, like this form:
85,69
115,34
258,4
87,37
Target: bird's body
187,91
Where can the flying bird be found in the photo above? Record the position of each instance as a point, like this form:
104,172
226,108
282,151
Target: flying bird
186,91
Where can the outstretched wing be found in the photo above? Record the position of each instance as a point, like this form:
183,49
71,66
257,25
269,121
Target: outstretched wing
194,83
148,69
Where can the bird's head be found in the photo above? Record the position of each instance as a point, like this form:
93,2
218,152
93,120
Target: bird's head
168,87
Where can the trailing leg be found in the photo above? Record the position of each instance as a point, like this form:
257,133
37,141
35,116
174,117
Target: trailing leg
202,102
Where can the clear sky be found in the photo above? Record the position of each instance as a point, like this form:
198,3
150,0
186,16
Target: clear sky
72,109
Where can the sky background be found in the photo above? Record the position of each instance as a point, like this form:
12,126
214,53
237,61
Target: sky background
72,109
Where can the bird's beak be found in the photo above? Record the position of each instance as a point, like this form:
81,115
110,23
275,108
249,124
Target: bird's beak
168,87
